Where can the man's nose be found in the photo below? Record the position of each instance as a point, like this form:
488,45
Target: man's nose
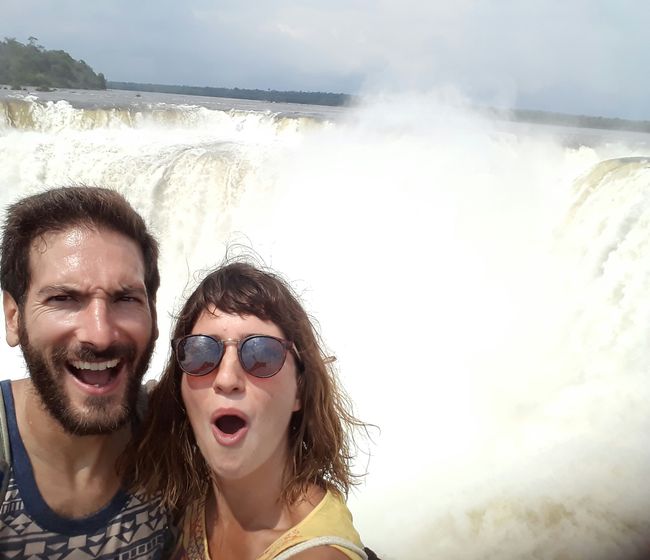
96,325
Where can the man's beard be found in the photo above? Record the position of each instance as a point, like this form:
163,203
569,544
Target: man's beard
101,415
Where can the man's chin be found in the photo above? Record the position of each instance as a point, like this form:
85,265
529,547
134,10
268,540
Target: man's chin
83,402
93,420
83,409
93,410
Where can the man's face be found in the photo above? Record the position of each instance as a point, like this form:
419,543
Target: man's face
85,329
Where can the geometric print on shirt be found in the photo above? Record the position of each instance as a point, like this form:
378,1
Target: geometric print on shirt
127,528
139,531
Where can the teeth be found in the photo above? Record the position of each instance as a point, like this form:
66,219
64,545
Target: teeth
95,366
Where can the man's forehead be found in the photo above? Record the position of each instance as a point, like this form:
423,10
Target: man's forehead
72,236
72,250
77,235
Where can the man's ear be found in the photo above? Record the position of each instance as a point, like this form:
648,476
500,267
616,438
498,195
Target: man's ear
154,318
12,317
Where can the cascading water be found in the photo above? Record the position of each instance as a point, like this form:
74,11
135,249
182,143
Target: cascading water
483,286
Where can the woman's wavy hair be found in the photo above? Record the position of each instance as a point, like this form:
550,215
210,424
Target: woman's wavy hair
164,457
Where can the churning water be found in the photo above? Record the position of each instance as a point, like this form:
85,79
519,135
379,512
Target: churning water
484,286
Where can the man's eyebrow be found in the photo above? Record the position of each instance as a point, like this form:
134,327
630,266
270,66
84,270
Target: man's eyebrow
74,291
59,289
130,290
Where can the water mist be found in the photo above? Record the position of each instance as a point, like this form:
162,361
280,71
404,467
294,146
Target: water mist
482,285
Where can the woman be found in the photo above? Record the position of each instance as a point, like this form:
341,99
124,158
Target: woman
247,433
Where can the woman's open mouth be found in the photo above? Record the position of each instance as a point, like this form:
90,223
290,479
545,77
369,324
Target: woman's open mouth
230,424
229,427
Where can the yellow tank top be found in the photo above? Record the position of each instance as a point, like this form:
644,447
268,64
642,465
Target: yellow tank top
330,517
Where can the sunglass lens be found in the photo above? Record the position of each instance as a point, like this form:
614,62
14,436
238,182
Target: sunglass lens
198,354
262,356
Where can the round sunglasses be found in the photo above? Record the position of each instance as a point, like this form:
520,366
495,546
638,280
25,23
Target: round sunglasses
260,355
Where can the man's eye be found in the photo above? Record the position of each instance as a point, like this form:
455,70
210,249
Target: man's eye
60,298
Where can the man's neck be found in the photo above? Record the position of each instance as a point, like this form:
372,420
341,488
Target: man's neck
75,474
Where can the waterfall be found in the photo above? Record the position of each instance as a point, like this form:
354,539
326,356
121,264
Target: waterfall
483,285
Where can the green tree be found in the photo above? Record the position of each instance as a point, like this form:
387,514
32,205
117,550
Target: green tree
32,65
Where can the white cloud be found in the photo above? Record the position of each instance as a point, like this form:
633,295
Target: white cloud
561,55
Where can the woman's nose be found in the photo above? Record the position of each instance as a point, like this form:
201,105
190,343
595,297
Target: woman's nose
230,377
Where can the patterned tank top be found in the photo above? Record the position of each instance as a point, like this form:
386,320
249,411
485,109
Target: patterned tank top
127,528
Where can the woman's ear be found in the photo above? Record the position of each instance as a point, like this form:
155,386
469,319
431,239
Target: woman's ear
297,404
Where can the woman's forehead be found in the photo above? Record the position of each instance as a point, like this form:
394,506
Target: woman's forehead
213,320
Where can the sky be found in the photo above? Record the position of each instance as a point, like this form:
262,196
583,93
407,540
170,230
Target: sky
569,56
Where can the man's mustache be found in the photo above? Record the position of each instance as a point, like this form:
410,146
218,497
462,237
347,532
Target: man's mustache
85,353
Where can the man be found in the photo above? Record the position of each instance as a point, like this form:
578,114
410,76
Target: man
79,276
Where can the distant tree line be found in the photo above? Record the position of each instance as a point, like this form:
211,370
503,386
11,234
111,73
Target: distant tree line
580,121
305,97
338,99
32,65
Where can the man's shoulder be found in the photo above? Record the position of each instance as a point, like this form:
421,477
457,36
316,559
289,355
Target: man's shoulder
6,382
5,447
14,385
143,398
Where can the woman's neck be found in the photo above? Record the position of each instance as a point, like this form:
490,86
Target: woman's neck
245,516
253,502
244,519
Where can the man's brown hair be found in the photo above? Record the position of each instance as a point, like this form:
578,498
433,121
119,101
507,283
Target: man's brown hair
58,209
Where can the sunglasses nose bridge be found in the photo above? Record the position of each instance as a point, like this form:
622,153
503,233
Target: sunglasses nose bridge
230,375
233,354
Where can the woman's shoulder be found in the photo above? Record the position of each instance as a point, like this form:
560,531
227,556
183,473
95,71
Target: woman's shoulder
330,516
327,517
322,553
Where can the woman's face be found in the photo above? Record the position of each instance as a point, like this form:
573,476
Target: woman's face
240,422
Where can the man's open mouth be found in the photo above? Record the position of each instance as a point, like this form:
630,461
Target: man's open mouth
97,374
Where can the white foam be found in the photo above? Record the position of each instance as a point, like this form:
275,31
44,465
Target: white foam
465,308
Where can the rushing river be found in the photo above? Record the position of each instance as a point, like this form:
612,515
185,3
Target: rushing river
484,286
